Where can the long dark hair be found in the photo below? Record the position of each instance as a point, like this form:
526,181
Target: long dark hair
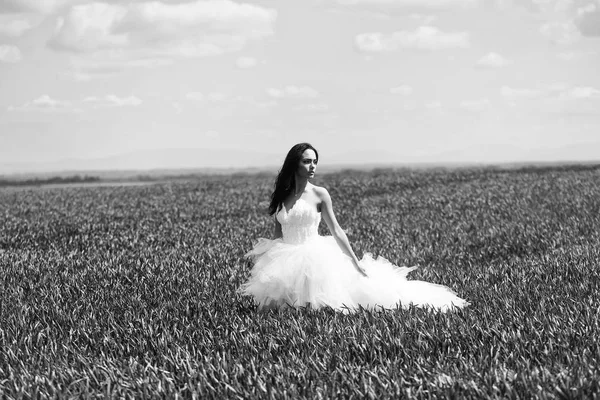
286,179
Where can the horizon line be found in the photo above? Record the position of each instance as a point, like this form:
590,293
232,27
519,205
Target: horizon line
330,168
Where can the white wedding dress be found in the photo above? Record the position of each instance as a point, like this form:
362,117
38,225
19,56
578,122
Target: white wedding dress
306,269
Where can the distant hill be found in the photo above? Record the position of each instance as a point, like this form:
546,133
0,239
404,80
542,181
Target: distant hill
177,162
181,161
55,180
150,160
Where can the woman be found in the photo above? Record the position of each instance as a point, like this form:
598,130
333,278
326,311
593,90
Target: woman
299,268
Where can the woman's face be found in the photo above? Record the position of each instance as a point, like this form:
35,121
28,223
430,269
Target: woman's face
308,164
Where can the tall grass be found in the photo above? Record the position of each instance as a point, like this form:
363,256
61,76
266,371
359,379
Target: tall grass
131,291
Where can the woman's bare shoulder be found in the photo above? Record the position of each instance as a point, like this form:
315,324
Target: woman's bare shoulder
320,192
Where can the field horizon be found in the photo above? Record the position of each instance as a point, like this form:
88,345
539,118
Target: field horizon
174,173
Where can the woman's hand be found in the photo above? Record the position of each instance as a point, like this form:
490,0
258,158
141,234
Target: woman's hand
361,271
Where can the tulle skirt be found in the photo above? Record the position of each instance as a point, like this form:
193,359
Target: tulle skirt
318,274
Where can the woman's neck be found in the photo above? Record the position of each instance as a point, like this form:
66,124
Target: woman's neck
300,185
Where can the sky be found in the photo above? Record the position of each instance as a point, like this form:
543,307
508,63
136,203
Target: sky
406,81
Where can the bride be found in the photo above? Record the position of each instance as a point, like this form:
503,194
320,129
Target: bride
300,268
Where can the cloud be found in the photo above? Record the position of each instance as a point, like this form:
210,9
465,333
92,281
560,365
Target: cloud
44,103
411,4
9,53
293,92
14,27
567,20
572,19
575,55
588,19
157,30
586,9
83,76
580,92
246,62
48,104
563,32
177,107
112,100
88,27
537,6
557,91
33,6
493,60
424,38
102,66
404,90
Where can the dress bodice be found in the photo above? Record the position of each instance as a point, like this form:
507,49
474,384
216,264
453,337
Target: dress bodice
300,223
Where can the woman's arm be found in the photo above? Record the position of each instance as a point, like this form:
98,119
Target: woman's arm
335,229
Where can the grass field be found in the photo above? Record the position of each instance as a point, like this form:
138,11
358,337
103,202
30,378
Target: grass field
131,290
